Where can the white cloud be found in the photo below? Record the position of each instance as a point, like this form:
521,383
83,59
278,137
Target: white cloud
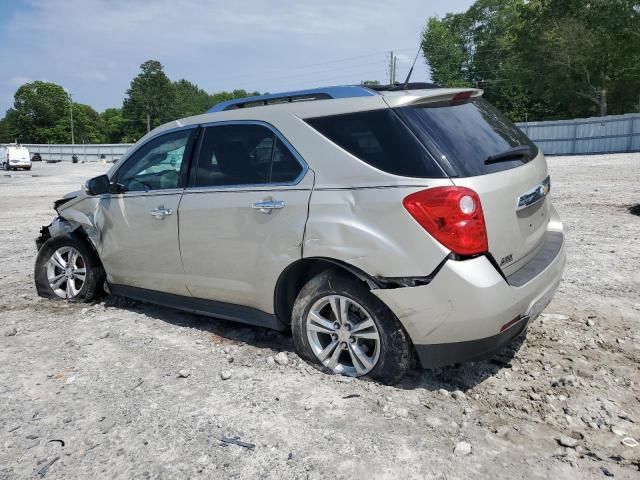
262,45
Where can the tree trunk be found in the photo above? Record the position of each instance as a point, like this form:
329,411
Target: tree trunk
602,102
148,122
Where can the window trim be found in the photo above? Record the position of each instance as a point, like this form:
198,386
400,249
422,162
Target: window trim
191,188
113,176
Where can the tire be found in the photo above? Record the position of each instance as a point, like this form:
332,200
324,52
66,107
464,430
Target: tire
387,359
85,290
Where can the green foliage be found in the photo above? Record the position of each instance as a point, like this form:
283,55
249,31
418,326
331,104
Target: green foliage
112,125
38,107
226,96
189,99
542,59
41,111
149,100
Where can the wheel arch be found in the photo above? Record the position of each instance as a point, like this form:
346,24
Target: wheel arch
297,274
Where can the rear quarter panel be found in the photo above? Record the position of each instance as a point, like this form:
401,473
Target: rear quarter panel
370,229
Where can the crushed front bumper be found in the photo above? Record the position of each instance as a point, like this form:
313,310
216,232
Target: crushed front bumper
469,310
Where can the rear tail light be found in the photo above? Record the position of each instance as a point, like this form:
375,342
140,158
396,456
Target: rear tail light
453,216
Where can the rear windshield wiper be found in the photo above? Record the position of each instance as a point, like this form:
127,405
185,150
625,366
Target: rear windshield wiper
521,151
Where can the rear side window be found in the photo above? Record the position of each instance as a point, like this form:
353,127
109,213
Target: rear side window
233,155
464,135
379,138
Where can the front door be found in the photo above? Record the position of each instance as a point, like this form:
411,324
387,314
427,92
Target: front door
139,226
243,214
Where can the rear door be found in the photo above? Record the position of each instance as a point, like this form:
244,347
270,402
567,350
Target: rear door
466,137
243,214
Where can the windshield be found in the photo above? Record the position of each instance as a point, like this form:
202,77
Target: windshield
463,136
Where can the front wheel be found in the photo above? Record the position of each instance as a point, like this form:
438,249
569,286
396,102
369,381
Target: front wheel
339,326
67,268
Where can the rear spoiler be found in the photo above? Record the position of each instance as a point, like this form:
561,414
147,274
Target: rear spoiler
423,97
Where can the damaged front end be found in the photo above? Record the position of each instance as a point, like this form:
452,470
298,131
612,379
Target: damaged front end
72,217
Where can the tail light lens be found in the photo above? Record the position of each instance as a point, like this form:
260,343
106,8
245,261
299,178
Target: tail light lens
453,216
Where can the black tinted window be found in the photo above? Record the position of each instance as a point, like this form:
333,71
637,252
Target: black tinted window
243,155
380,139
285,167
464,135
157,165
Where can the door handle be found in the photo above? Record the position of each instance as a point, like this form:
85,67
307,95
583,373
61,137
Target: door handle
161,212
267,205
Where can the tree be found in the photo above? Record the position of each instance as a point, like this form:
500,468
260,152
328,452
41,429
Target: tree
189,99
112,125
37,109
220,97
541,59
149,99
87,126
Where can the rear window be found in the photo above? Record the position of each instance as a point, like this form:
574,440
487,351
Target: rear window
381,139
463,136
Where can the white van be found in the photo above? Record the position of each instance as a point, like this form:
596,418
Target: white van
14,156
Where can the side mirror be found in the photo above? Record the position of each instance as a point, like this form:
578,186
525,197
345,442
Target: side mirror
98,185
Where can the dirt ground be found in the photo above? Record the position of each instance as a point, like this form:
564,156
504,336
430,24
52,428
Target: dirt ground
122,389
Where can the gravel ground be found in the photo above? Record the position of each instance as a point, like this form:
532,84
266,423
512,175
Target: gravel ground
121,389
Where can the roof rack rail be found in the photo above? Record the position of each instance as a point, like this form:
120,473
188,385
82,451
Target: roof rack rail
325,93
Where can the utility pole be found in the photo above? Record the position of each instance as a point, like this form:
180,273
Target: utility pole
73,141
392,68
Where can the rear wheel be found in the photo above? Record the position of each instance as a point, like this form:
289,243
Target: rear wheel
68,269
339,326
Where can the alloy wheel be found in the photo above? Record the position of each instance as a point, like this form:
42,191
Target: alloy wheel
343,336
66,272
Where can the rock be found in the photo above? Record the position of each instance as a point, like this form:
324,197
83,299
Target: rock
184,373
104,335
606,471
281,358
458,395
535,396
10,332
443,392
590,323
270,360
462,449
401,412
618,430
554,316
630,442
230,359
566,441
226,350
225,374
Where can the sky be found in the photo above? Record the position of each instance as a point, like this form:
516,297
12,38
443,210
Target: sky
93,48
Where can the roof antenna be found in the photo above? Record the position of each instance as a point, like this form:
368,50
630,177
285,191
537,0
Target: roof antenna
406,82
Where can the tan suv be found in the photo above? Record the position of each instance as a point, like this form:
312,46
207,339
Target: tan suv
378,225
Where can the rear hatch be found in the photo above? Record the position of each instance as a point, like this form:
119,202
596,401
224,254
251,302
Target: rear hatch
481,149
18,154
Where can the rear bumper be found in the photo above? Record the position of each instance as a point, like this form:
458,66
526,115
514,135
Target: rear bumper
19,164
469,310
438,355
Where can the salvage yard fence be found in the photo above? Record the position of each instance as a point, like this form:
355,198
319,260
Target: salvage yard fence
109,152
610,134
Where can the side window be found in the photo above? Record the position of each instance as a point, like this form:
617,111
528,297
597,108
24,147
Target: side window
285,167
157,165
243,155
